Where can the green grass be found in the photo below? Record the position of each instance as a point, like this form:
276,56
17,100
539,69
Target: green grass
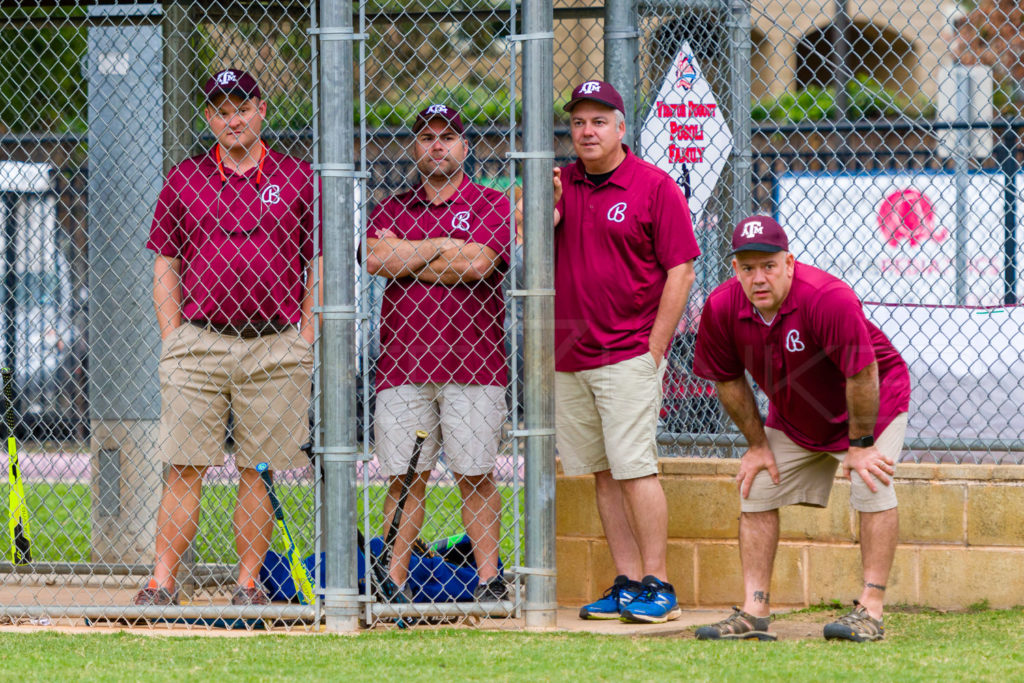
927,646
60,525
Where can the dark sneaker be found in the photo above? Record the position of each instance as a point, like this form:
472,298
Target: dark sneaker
493,590
622,592
738,626
857,625
656,605
253,595
151,595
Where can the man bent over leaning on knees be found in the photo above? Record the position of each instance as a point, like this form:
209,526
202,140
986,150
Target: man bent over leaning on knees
838,393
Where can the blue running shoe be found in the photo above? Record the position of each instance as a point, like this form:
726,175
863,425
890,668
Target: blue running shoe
622,592
656,605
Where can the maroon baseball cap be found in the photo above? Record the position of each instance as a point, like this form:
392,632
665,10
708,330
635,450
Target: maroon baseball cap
232,82
759,233
596,91
438,111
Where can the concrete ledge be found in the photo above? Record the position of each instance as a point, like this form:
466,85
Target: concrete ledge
961,539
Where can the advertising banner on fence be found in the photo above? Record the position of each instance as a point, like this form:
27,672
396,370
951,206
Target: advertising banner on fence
892,236
966,368
685,133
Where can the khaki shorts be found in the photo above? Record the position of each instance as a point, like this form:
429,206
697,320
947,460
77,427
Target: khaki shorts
805,477
607,418
265,382
465,418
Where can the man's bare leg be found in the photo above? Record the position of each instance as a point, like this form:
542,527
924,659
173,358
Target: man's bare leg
879,532
410,525
177,521
481,510
759,539
611,506
648,518
254,526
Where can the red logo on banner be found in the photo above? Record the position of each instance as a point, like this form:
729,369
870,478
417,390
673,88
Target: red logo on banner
908,215
686,74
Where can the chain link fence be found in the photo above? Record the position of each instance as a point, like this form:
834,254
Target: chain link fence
121,420
888,143
439,353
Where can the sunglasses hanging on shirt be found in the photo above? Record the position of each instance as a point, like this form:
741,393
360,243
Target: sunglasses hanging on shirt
225,211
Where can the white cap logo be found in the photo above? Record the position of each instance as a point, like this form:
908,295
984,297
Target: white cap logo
752,229
590,87
225,77
437,109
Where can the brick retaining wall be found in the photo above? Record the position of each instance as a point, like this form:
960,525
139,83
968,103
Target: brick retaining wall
961,539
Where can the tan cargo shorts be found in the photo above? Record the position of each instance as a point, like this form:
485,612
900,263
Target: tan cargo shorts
806,477
607,418
265,382
464,419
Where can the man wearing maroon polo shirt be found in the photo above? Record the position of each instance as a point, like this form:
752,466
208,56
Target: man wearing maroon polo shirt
624,251
233,291
838,392
444,248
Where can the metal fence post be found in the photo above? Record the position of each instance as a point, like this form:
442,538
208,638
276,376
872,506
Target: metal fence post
737,174
337,339
538,333
620,66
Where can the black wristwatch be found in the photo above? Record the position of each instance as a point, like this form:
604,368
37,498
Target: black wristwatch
863,442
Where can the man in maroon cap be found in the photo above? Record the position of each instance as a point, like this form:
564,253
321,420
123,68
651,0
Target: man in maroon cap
624,251
838,392
233,290
443,247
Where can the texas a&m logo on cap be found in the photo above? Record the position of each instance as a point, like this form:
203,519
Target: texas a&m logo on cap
752,229
590,87
227,77
437,109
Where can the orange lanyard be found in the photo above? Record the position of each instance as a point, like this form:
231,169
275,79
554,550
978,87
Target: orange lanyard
259,166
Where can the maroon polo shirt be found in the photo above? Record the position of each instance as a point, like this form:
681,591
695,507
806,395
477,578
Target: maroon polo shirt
444,333
614,244
244,249
818,338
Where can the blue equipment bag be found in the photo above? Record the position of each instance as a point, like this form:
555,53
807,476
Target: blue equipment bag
442,571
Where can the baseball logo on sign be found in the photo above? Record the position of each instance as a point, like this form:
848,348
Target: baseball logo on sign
460,221
617,213
793,342
271,194
226,77
590,87
752,229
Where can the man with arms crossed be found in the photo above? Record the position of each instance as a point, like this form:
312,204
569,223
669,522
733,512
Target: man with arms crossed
444,248
838,393
233,291
624,251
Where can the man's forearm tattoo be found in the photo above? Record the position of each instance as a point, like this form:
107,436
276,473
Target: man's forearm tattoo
876,586
761,596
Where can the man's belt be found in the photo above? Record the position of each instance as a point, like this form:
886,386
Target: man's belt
249,329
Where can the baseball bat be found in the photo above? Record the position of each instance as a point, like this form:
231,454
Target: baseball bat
300,575
21,546
396,519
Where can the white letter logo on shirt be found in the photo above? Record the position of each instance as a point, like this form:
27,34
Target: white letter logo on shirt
271,194
753,229
590,87
617,213
226,77
460,221
793,342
